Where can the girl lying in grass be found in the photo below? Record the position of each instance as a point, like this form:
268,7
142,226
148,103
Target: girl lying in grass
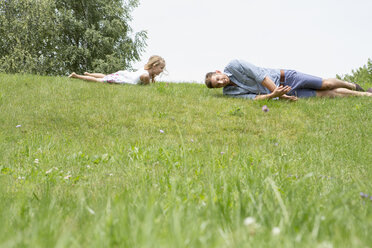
153,68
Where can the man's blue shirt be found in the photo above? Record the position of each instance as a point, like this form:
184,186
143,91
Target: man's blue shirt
248,79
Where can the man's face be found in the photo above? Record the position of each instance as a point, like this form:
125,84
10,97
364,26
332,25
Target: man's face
219,80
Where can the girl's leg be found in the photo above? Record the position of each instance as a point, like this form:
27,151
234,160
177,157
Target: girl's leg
341,92
87,78
334,83
96,75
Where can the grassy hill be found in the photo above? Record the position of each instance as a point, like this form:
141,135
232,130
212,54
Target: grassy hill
178,165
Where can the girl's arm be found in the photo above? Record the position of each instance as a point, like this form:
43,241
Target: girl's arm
145,78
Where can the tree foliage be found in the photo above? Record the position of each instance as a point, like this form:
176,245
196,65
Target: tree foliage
60,36
362,75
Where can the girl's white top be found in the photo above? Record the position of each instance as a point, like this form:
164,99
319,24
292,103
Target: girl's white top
125,77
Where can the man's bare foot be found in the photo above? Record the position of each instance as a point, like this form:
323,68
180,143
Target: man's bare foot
72,75
86,73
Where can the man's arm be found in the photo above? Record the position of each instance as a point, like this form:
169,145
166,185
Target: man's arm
268,83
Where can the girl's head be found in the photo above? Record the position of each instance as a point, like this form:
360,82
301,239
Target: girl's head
155,65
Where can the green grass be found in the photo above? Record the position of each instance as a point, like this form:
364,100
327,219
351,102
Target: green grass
89,167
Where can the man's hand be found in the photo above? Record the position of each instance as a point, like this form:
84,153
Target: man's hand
290,98
280,91
275,91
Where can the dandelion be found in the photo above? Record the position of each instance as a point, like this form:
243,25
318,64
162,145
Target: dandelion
161,131
249,221
18,126
265,108
276,231
49,171
36,161
67,177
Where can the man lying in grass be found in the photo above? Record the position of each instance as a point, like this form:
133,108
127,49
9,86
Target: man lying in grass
153,68
242,79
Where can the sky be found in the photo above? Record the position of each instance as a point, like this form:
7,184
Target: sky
317,37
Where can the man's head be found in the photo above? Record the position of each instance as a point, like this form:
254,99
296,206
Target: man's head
216,79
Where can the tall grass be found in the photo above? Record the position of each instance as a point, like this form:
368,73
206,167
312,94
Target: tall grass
178,165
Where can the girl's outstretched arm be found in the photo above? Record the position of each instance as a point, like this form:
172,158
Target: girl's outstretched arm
145,78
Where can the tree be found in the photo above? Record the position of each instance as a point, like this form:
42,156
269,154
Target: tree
57,37
26,32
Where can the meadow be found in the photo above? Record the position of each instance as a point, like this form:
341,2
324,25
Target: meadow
179,165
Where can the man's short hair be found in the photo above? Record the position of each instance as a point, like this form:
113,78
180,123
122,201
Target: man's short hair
208,79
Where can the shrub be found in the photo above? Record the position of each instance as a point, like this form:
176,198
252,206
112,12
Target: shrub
362,75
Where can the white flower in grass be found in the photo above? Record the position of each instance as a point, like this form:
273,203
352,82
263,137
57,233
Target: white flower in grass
67,177
18,126
88,166
325,244
276,231
91,210
36,161
161,131
251,225
21,178
49,171
249,221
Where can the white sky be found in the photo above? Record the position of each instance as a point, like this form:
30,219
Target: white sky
318,37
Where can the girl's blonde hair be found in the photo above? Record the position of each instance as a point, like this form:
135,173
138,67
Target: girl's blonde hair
154,61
